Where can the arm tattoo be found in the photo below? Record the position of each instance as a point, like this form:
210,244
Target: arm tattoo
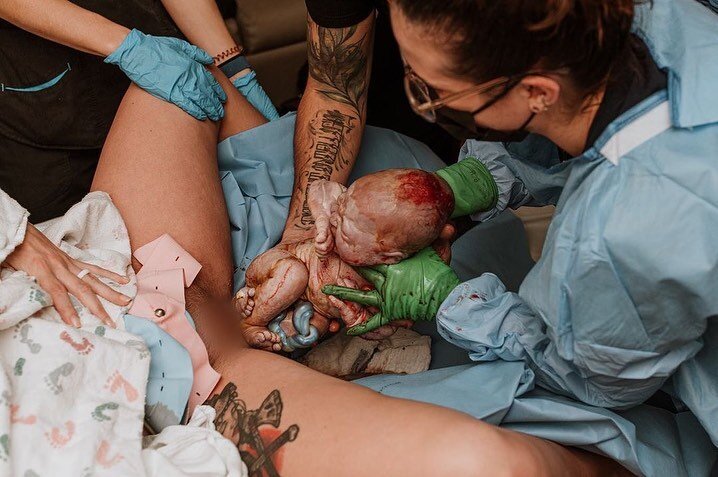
255,432
339,64
328,133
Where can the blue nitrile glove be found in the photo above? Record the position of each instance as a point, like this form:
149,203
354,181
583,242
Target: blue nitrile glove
253,91
173,70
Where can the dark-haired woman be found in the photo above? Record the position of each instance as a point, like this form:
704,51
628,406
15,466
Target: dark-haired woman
609,110
621,105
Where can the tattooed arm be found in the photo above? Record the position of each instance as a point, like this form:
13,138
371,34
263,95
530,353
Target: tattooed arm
331,116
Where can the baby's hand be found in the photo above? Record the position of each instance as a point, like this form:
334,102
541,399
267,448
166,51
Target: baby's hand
322,198
324,239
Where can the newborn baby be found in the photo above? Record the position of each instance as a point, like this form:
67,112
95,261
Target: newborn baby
382,218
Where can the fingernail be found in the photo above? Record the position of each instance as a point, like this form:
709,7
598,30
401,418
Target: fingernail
76,321
125,280
127,299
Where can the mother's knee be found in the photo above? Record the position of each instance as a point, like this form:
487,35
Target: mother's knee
475,448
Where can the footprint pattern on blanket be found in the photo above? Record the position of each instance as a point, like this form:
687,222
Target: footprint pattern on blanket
139,346
99,413
15,417
19,364
4,447
82,347
103,456
38,296
116,381
59,437
6,398
100,331
22,333
53,380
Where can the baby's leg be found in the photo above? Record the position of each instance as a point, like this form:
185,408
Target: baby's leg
275,280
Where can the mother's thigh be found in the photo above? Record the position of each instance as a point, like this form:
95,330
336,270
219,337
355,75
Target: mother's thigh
159,166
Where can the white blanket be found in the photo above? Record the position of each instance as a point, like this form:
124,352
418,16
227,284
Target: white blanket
72,400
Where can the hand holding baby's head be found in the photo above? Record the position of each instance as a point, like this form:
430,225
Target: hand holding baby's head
382,218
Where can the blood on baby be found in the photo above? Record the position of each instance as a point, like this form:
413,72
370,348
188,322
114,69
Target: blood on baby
422,188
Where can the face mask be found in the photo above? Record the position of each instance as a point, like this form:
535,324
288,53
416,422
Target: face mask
461,124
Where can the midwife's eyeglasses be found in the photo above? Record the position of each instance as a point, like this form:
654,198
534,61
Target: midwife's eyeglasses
425,101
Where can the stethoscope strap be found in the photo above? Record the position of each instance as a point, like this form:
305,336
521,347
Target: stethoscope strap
40,87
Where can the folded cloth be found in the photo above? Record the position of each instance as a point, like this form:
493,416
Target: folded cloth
13,222
195,449
350,357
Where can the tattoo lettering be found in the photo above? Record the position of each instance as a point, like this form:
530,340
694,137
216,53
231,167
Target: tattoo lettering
328,133
253,431
338,62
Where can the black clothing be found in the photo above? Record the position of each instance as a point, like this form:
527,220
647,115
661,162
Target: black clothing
631,81
50,140
387,105
340,13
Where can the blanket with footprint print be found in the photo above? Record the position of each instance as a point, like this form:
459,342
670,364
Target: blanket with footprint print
71,400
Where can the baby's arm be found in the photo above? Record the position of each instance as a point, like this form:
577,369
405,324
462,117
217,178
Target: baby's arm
275,280
322,197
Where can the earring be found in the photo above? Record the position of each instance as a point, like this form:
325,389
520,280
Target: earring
544,106
540,108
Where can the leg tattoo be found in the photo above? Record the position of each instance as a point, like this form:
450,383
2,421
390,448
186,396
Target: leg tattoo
253,431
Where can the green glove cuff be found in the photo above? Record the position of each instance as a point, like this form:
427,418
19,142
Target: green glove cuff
473,186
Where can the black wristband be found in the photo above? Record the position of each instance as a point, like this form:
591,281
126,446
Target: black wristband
235,65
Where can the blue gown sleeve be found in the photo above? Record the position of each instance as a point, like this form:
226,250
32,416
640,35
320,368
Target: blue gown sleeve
620,297
524,172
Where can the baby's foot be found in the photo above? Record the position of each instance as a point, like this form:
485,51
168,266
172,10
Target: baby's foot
260,337
244,301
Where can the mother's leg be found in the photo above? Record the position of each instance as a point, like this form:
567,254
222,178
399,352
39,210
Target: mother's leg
312,424
159,165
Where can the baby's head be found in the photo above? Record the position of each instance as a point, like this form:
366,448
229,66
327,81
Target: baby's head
390,215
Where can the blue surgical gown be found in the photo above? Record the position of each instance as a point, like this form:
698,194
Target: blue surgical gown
624,299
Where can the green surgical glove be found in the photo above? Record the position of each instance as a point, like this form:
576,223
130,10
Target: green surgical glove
412,289
473,186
